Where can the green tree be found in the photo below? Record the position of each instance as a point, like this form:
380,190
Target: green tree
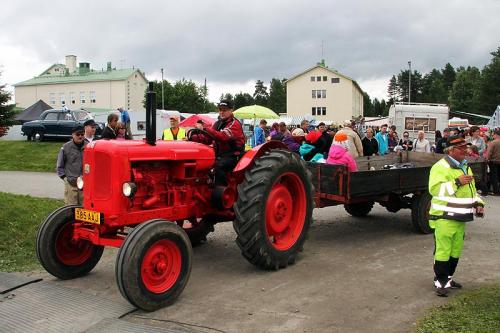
393,90
6,111
367,105
228,97
416,86
465,90
449,76
261,96
489,87
433,88
277,96
242,99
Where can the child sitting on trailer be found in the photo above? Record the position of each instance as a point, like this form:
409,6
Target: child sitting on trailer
339,153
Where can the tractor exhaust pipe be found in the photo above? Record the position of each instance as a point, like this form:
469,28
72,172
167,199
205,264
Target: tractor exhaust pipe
151,116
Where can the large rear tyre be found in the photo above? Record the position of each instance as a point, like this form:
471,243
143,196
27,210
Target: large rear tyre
360,209
420,213
58,252
274,210
197,229
154,264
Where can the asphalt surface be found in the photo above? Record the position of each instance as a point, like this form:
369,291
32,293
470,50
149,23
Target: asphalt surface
370,274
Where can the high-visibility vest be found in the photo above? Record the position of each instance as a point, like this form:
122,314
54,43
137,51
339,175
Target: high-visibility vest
167,134
449,200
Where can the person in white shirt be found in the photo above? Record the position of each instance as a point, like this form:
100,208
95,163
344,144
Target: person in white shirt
89,127
421,144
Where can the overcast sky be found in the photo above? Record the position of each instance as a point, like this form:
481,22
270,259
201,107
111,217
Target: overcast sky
234,43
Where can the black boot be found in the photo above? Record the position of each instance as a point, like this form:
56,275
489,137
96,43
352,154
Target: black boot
441,282
453,262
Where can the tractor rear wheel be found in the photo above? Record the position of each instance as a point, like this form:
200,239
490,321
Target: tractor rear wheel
420,213
359,209
154,264
58,252
197,229
274,209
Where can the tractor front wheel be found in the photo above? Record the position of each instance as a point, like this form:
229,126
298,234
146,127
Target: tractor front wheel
60,254
154,264
274,209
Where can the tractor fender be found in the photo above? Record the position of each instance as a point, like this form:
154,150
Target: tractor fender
247,160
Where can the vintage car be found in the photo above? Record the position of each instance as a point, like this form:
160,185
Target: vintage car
57,123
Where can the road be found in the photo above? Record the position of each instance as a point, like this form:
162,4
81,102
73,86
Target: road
370,274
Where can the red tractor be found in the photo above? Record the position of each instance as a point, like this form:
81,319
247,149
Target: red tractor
154,199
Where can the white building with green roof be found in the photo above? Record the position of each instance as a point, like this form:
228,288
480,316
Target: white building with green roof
82,87
324,94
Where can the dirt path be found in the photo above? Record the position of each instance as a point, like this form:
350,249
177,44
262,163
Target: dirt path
355,275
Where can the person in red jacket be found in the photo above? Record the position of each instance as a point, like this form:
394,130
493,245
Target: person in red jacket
229,139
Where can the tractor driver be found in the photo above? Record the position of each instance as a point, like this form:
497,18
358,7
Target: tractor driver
228,134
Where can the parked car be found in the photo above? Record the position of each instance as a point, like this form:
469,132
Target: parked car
57,123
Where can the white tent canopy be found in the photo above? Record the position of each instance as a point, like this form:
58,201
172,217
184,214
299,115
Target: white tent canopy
494,121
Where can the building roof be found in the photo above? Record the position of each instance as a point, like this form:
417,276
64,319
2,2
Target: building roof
321,65
112,75
33,112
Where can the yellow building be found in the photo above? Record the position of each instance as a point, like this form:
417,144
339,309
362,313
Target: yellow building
324,94
82,87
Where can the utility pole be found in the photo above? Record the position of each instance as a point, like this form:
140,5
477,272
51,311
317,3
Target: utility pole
162,99
409,82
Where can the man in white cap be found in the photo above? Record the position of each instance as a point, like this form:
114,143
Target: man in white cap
355,144
174,132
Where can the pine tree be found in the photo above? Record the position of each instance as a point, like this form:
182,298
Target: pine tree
7,113
449,76
277,96
261,96
392,90
465,89
489,88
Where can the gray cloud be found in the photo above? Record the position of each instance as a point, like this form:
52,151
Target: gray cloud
238,41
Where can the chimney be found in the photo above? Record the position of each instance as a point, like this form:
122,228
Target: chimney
109,67
83,68
71,63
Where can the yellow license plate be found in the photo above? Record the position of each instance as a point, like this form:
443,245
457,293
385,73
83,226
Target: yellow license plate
87,216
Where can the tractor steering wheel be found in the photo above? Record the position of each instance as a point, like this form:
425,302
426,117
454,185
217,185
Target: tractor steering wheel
189,136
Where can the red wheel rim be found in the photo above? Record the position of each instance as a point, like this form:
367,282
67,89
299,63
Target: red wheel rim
161,266
69,251
286,211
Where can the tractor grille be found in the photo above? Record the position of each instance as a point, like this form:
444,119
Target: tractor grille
102,176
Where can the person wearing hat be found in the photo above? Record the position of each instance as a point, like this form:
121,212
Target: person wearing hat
454,202
355,144
89,126
339,152
174,132
228,135
69,166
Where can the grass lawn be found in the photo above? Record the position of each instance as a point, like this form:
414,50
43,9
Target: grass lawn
476,310
20,216
29,156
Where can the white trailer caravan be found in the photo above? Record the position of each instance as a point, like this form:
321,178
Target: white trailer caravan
416,117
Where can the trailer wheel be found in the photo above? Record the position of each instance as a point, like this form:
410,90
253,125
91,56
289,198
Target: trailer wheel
420,213
359,209
274,209
56,250
197,229
154,264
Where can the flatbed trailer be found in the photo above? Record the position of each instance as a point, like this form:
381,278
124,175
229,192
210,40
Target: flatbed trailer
405,185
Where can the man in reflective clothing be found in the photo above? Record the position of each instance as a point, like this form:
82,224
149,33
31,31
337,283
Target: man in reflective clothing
174,132
454,202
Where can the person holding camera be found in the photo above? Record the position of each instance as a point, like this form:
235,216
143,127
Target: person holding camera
454,202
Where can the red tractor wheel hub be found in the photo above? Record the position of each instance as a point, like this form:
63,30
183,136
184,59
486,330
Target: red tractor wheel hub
70,251
286,211
161,266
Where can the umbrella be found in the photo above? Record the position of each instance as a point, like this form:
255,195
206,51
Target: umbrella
255,111
191,121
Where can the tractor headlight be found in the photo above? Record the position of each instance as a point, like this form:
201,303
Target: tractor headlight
79,183
129,189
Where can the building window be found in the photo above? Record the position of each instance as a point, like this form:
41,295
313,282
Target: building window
62,98
323,110
72,97
82,97
324,78
313,78
323,93
92,97
318,78
313,111
335,80
52,98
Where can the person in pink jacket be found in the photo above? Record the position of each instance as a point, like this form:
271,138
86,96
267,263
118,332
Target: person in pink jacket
339,154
